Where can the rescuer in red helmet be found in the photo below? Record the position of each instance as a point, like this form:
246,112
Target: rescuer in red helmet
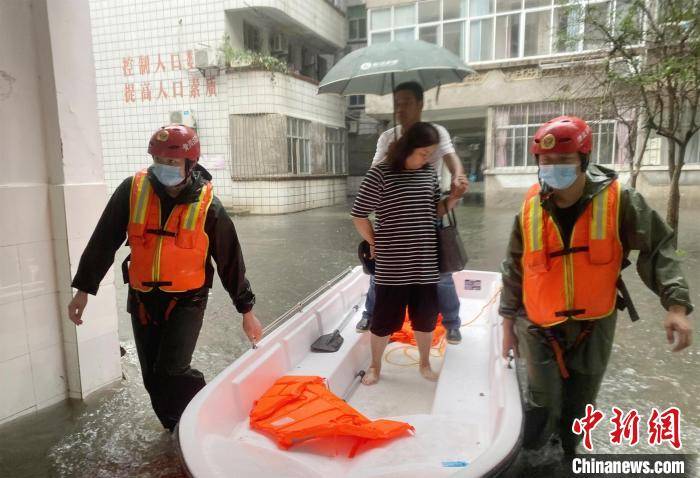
561,277
174,226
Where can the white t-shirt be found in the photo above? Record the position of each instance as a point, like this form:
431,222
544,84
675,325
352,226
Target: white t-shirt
444,147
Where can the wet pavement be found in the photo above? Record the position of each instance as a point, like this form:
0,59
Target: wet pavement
116,434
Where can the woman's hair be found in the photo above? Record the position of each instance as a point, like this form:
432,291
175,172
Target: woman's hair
420,135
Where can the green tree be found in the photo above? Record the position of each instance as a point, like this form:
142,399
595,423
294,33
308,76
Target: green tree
650,75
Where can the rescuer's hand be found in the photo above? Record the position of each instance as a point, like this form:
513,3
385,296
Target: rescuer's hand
76,307
510,341
677,321
252,327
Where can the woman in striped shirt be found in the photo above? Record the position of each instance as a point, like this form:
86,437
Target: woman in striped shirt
403,193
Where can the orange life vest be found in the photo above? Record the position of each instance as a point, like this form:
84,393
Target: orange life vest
407,336
576,280
298,408
173,258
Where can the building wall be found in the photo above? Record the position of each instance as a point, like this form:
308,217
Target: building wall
525,79
131,104
507,189
314,15
275,196
53,193
134,99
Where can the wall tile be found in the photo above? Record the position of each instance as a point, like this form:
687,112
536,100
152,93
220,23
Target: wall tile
19,396
10,278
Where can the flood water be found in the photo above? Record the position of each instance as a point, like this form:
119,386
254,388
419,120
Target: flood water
116,434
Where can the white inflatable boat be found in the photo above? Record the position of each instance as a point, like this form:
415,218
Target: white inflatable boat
467,424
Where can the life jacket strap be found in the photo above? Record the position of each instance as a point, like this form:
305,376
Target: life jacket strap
569,313
568,250
161,232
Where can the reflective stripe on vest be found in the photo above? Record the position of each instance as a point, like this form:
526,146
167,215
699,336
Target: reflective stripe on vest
575,280
172,258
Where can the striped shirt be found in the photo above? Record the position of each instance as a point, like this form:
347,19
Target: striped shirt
405,234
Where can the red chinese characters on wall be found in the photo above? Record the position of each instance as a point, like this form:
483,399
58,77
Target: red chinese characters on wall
148,89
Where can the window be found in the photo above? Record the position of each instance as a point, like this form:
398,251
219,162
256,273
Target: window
603,142
298,146
357,23
567,21
429,34
488,30
481,40
381,19
507,36
596,14
404,16
480,7
454,9
356,101
310,63
538,3
515,126
626,11
381,37
335,150
692,151
453,38
251,37
652,155
508,5
429,11
405,34
537,32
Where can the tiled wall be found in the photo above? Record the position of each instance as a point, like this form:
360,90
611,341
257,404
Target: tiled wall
52,195
354,184
127,32
262,92
285,196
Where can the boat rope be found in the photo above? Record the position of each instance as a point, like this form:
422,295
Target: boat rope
437,350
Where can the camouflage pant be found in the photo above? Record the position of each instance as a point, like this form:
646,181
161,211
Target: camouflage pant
552,402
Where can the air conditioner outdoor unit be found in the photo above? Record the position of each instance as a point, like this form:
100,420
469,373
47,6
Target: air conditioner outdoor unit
278,44
185,117
206,58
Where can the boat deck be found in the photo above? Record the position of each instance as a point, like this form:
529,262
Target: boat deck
458,420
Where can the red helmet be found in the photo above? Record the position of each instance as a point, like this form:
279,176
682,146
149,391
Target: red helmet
565,134
175,141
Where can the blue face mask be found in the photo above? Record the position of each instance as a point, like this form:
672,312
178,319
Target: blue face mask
559,176
167,175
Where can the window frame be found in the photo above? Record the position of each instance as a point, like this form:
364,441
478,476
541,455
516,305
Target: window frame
298,146
335,150
389,32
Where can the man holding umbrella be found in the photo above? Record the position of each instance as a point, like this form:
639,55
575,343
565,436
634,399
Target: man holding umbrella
408,106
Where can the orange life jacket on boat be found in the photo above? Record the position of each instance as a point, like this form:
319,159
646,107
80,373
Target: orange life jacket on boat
298,408
576,280
407,336
172,258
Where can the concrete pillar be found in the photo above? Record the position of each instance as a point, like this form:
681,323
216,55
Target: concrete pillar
51,195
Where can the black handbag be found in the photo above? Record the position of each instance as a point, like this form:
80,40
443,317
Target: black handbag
451,252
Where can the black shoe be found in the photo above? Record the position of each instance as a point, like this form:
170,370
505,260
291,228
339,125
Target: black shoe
454,336
362,325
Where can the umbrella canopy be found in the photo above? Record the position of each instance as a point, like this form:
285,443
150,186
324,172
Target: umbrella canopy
377,68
